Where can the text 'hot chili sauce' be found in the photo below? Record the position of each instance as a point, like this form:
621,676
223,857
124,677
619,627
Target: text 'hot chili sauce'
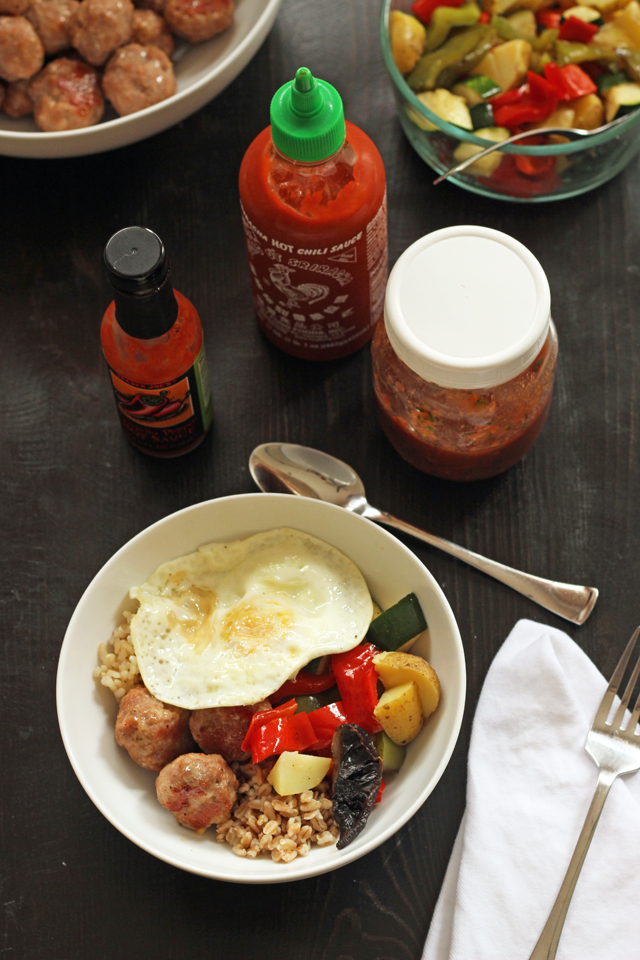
465,358
313,196
152,341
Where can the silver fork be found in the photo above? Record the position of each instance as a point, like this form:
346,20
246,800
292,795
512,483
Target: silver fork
616,752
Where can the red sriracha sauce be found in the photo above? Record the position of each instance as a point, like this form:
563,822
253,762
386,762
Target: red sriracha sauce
313,196
152,341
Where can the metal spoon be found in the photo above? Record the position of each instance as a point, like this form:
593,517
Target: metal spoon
290,468
571,133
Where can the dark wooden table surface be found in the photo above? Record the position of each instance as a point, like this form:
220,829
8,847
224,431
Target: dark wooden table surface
73,491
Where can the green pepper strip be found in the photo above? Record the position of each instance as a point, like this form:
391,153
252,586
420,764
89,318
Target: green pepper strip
506,31
449,55
456,70
443,19
566,52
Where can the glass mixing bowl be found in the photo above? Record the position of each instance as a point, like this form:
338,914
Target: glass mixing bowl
577,167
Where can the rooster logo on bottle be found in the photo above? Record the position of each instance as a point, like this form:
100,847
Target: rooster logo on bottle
280,276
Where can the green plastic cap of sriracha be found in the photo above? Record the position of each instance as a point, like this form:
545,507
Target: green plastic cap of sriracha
307,119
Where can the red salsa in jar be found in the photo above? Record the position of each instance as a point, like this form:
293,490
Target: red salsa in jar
465,358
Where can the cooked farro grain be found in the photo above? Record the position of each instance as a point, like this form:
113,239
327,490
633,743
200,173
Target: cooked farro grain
263,822
118,668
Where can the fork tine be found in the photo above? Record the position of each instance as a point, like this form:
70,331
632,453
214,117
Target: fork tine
624,703
614,683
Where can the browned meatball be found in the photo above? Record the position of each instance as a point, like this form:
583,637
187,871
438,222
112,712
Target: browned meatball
66,96
21,52
197,20
222,729
51,20
98,27
149,29
13,7
137,77
153,733
17,102
199,789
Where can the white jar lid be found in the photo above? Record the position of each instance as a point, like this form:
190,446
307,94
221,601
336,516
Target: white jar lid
467,307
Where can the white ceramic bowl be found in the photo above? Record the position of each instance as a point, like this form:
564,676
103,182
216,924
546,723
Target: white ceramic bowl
125,793
202,71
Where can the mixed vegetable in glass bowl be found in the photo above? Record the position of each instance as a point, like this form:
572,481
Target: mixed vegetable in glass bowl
469,73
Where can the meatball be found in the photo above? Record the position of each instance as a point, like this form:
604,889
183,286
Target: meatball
197,20
222,729
21,51
13,7
137,77
153,733
150,29
66,96
17,102
199,789
99,26
51,20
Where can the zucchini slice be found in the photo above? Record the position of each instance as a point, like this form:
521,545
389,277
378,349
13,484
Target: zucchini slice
398,625
586,14
621,99
477,88
481,116
611,80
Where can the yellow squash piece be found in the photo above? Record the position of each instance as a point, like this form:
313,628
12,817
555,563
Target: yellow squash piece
588,112
486,165
507,63
296,772
408,38
445,105
400,713
524,21
629,21
395,669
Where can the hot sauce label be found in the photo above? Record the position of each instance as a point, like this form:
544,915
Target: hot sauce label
319,298
165,417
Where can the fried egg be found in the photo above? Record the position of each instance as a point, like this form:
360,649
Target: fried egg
228,624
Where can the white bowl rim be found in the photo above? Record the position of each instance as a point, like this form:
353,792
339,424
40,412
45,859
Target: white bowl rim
123,122
311,868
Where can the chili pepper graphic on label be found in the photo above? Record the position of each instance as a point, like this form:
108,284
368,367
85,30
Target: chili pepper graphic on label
151,406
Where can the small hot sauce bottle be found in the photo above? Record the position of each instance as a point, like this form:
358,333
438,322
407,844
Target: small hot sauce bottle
152,341
313,196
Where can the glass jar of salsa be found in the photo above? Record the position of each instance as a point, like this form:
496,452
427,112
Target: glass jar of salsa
464,359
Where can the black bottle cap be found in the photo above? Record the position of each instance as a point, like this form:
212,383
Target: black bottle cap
136,260
138,270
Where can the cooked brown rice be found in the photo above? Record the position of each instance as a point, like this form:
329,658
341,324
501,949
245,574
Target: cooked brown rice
285,827
118,668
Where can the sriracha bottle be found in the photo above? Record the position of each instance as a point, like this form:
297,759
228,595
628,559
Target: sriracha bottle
313,196
152,341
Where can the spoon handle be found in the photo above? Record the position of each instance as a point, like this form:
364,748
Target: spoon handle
564,599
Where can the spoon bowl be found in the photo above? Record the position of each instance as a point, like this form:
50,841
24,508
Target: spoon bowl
291,468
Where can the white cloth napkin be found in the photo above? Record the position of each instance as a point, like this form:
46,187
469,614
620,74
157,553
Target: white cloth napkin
530,783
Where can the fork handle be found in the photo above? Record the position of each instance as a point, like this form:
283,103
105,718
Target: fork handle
546,947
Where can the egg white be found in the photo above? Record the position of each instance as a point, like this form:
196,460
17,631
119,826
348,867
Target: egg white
229,623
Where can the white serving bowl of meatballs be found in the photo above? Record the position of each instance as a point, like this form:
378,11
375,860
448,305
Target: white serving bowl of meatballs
83,76
88,711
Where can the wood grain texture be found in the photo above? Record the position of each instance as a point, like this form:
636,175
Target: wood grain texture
73,491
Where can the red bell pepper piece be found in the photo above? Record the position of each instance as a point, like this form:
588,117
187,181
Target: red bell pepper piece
577,31
325,722
263,717
357,681
485,17
531,103
305,683
549,19
423,9
380,792
284,733
570,81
